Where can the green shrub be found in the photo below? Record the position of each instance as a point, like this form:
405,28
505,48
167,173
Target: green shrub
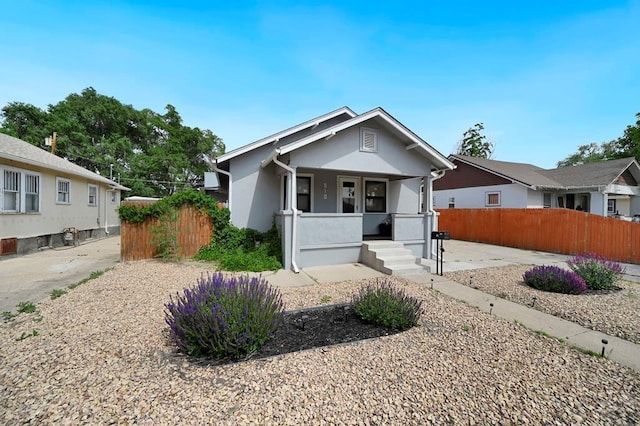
596,271
383,304
224,316
244,249
555,279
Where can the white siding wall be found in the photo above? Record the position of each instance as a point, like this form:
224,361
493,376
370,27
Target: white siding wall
54,217
511,196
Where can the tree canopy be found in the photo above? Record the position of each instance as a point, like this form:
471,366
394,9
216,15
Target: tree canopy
153,154
474,143
627,145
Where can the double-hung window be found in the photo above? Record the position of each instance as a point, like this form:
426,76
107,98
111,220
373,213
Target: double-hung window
375,196
64,191
304,192
11,191
93,195
19,191
32,193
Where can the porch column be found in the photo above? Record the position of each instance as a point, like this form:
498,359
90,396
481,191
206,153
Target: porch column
429,216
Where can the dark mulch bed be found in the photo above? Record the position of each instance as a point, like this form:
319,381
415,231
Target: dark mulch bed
314,328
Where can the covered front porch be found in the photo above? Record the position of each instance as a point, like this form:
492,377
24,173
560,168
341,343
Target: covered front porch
335,238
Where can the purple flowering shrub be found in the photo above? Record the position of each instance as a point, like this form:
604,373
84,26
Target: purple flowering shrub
598,272
224,316
555,279
383,304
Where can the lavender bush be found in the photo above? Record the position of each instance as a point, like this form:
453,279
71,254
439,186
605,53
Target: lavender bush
555,279
383,304
226,317
598,272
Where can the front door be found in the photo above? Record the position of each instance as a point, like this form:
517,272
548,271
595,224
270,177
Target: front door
348,195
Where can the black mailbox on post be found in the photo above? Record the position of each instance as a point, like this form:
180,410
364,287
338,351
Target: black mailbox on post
440,235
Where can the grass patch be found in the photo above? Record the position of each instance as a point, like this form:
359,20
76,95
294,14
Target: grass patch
8,316
539,332
26,307
588,352
92,276
57,293
26,335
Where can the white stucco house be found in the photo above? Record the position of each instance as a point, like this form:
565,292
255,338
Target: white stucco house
607,188
333,184
47,201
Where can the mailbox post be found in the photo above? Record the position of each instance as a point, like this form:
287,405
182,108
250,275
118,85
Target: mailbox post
440,236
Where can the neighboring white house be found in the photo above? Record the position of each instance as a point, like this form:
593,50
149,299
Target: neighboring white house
604,188
44,198
355,177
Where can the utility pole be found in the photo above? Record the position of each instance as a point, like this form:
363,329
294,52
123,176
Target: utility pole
51,141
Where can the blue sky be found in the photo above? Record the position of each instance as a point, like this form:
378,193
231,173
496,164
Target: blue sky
544,77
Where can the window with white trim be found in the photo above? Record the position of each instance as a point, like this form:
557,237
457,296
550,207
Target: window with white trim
32,193
304,192
93,195
63,187
492,199
368,140
375,196
611,205
546,200
19,191
114,199
452,202
11,191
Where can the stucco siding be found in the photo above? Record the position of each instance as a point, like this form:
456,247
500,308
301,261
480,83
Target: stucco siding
255,190
404,196
342,152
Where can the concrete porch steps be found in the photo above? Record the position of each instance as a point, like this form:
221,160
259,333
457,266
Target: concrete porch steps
391,257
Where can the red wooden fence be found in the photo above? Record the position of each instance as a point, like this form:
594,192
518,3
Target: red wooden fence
552,230
194,231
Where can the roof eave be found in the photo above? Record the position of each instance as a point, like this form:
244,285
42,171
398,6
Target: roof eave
284,133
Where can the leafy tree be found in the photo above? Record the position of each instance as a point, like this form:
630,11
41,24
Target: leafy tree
24,121
475,144
153,154
628,145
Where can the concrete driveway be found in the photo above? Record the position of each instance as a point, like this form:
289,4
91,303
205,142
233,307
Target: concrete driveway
34,276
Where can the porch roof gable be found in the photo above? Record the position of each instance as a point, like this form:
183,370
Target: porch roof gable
284,133
439,161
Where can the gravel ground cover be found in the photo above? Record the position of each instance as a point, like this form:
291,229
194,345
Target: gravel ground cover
101,356
616,313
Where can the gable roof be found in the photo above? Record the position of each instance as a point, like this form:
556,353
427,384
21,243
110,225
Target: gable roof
314,122
440,161
600,174
413,141
521,173
581,176
18,150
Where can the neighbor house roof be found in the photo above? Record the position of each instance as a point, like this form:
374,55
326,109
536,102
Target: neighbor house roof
18,150
524,174
581,176
594,174
314,122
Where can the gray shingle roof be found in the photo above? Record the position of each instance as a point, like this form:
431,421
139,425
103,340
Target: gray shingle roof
18,150
592,174
582,176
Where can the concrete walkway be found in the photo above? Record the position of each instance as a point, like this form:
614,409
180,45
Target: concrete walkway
34,276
